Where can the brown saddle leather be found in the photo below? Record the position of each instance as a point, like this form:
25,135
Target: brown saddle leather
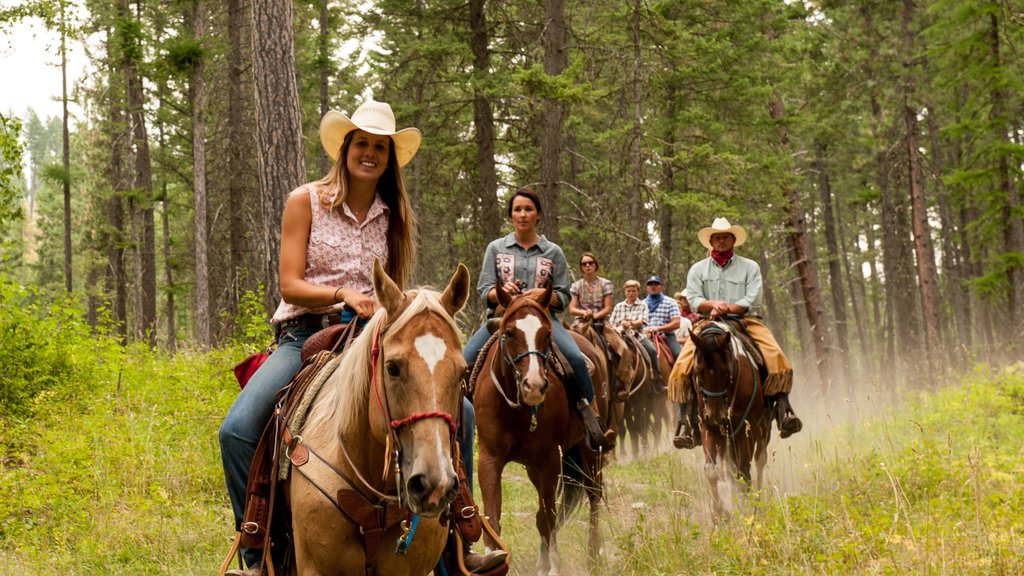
334,338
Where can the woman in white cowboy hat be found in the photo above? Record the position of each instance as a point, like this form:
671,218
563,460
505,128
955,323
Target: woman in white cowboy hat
332,230
726,283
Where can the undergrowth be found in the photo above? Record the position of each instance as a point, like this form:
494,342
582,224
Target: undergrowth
109,464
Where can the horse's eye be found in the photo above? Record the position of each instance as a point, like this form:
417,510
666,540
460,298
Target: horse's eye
394,370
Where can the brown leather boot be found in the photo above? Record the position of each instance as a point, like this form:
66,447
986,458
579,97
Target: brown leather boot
785,417
595,437
684,438
481,563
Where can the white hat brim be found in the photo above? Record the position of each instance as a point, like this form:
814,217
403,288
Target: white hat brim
704,235
334,126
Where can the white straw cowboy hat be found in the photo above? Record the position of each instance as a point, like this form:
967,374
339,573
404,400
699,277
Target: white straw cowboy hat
375,118
721,226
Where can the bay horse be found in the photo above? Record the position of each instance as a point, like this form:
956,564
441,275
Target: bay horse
619,362
380,440
523,415
734,419
646,412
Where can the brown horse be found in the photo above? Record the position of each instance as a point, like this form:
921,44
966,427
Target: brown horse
618,359
734,420
646,412
523,415
390,406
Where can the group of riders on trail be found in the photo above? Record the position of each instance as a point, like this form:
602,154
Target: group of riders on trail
334,228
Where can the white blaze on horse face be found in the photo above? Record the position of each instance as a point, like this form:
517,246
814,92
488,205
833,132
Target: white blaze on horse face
432,349
530,326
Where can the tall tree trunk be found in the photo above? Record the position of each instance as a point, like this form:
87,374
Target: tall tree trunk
324,51
197,94
238,146
483,122
834,271
165,220
926,274
859,313
636,184
66,180
141,203
1013,228
666,217
803,259
116,279
952,254
278,122
556,59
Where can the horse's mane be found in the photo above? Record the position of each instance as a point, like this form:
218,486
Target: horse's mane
341,404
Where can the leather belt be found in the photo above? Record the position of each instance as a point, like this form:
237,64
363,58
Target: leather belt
312,321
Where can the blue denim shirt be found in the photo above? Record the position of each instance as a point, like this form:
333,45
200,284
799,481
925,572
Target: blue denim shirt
541,264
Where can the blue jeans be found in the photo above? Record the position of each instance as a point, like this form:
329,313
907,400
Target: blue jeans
652,353
673,343
242,427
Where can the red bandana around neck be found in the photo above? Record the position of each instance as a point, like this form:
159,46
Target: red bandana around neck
721,258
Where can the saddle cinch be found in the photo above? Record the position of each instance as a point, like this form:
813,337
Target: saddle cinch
266,524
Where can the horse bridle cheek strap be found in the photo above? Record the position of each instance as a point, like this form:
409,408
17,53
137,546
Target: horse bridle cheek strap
394,425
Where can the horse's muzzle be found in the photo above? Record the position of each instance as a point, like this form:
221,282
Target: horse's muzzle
429,497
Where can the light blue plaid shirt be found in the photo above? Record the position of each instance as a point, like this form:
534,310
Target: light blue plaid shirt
664,313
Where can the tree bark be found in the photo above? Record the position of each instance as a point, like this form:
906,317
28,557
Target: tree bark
483,123
279,152
197,94
116,281
1013,228
141,202
803,258
66,180
324,60
835,274
556,59
926,274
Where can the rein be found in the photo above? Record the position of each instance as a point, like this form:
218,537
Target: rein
713,329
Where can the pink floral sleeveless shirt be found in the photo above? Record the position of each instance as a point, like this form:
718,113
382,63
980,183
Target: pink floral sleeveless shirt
340,250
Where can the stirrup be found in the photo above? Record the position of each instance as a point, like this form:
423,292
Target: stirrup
595,438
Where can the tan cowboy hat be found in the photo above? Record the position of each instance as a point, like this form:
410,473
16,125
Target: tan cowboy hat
375,118
721,226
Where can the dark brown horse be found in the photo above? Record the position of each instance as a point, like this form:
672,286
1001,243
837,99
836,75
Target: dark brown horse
646,412
523,415
734,420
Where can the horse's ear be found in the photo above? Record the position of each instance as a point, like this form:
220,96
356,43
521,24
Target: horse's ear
504,298
457,292
693,335
545,299
388,293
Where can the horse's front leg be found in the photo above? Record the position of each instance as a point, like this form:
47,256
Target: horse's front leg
711,473
545,480
489,474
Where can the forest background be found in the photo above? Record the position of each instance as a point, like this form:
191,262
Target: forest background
872,149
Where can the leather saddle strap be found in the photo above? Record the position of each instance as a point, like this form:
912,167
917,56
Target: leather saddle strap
373,521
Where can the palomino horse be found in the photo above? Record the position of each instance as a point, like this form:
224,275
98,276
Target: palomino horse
391,406
523,415
646,412
734,420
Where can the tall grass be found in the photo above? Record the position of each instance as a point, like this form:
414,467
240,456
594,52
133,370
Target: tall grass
120,474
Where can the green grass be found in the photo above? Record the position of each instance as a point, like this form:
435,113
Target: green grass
124,477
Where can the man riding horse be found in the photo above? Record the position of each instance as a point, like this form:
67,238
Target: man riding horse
632,315
726,284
